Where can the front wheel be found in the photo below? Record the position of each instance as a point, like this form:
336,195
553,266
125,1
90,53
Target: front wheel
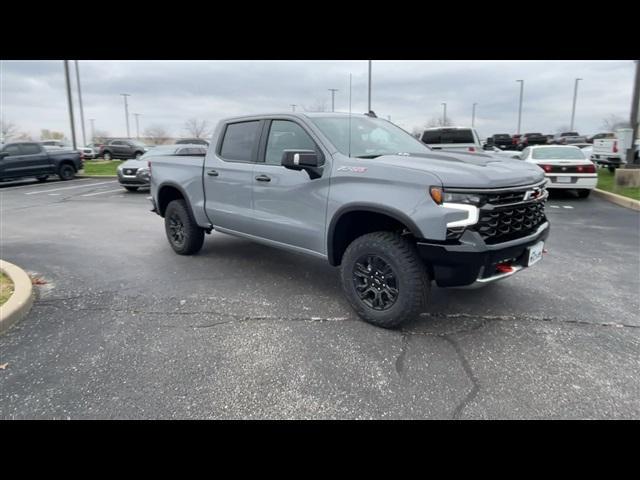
66,172
384,279
107,156
183,233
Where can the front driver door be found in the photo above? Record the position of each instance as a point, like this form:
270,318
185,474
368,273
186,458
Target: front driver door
289,207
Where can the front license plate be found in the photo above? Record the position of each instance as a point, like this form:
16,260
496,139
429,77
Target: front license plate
563,179
535,253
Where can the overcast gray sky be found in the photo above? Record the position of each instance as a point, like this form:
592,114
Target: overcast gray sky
167,93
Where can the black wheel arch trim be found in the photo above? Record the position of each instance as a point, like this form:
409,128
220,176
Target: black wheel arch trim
160,211
367,207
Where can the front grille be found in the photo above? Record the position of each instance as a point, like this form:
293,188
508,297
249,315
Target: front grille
502,224
505,198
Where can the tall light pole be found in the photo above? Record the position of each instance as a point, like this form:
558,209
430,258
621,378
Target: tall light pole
575,96
520,107
93,130
473,115
631,158
70,101
293,107
369,86
84,138
444,114
333,98
126,112
137,126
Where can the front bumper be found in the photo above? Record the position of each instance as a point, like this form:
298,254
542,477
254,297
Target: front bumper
471,262
137,180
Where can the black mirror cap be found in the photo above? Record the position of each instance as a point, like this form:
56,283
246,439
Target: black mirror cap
299,159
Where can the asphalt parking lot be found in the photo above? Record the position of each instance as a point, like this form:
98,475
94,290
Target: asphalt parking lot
124,328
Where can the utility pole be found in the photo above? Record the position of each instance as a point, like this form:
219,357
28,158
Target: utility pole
520,108
84,138
293,107
93,130
137,126
369,86
631,158
575,96
70,101
444,114
333,98
126,112
473,115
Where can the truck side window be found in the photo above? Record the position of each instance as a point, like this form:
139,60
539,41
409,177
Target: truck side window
239,141
29,149
286,135
12,150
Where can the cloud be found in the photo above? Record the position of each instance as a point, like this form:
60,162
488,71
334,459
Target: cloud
33,93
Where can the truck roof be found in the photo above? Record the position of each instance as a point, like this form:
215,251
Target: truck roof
296,114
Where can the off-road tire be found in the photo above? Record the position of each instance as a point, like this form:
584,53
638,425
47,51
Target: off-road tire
178,217
66,171
413,281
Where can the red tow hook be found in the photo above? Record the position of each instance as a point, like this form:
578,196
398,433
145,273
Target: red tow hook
504,268
544,250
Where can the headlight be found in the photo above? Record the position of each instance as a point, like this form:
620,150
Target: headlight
467,198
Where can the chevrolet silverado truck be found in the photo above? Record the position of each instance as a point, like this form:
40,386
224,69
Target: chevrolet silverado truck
363,195
31,159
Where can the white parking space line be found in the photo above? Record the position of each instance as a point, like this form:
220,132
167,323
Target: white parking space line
20,187
69,188
100,193
567,206
554,206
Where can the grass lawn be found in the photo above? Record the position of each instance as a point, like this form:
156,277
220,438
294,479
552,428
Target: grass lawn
606,182
6,288
101,167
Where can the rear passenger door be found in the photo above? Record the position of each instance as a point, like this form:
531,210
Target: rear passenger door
228,176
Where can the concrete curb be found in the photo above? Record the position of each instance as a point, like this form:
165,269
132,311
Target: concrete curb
96,176
20,302
618,199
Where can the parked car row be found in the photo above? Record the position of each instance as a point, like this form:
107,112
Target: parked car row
32,159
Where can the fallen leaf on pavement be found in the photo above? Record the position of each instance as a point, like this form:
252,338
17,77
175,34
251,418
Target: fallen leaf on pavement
3,366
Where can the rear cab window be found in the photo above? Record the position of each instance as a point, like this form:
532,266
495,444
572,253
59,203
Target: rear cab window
448,136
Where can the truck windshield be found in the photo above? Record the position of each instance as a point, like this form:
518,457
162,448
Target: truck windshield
370,137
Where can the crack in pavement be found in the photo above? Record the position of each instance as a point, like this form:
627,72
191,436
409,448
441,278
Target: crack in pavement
399,364
471,395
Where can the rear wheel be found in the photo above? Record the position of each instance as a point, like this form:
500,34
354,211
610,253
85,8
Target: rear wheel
66,172
584,193
107,156
138,155
612,168
384,279
183,233
132,189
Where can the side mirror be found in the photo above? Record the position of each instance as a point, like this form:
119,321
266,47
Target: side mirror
302,160
517,157
3,154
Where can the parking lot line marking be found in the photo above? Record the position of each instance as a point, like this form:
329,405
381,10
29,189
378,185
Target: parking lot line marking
18,187
567,206
54,194
554,206
68,188
99,193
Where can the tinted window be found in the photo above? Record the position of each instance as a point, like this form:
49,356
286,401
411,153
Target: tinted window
447,136
12,149
569,134
29,149
116,142
285,135
239,141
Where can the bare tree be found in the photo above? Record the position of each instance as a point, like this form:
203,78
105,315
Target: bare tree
563,128
197,128
319,106
8,130
614,122
100,136
25,137
439,122
51,135
157,134
416,132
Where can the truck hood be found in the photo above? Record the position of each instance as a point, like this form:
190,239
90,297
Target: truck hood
468,170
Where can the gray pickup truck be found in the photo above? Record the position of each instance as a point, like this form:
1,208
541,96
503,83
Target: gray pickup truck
364,195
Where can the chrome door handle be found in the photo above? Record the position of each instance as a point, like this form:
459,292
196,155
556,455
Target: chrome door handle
212,173
263,178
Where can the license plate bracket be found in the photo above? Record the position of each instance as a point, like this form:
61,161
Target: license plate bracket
535,253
